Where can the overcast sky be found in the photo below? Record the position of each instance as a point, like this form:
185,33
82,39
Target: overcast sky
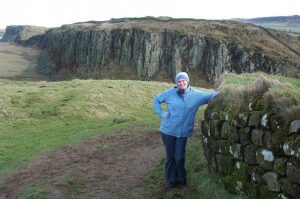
53,13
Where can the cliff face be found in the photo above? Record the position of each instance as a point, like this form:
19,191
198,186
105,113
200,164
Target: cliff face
20,34
151,48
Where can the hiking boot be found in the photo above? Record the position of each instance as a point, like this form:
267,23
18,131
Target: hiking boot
170,185
182,183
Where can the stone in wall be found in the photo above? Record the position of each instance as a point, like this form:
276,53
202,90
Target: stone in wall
250,154
295,127
245,136
230,132
259,155
293,171
290,189
255,119
280,165
257,137
265,159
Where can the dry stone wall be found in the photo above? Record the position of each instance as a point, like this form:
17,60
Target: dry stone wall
254,152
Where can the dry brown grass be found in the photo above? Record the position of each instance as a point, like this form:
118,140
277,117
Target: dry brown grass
261,91
18,62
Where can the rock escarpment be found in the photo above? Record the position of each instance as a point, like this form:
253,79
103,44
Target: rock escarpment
150,48
22,33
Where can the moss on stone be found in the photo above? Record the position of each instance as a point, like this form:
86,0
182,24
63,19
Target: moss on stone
225,164
265,193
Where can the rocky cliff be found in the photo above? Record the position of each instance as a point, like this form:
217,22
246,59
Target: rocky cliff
22,33
157,48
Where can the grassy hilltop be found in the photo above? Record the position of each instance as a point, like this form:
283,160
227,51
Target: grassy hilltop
40,117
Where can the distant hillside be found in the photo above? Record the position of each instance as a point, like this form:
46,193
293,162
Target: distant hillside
287,23
2,31
21,33
157,48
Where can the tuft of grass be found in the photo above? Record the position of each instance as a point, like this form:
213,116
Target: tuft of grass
37,191
73,186
279,94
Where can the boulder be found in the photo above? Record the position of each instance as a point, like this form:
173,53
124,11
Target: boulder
290,189
295,126
257,137
245,136
271,178
250,154
265,158
230,132
255,119
280,165
293,171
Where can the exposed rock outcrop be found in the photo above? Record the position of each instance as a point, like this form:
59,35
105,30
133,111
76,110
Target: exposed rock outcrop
21,33
153,48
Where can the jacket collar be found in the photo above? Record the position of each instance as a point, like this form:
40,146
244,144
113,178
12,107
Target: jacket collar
183,93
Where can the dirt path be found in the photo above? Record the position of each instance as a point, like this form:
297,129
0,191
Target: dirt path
111,166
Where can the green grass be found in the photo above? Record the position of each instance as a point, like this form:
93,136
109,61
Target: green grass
38,117
201,183
36,192
246,79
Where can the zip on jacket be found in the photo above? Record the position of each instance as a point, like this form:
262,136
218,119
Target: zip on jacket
181,109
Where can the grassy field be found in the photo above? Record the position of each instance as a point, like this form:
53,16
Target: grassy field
39,117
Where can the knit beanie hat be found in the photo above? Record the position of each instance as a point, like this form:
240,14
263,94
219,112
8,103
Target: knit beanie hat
182,75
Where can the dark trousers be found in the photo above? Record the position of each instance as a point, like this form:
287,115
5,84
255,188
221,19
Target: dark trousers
175,151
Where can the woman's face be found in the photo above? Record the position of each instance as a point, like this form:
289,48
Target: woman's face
182,84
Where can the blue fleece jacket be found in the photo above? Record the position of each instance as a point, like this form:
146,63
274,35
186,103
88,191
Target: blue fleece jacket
181,108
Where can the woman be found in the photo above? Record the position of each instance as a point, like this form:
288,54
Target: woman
177,124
